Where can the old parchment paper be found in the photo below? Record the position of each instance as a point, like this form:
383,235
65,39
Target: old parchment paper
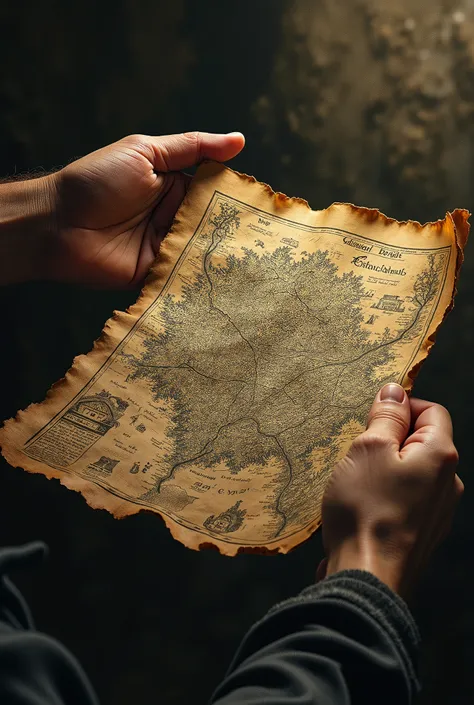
222,399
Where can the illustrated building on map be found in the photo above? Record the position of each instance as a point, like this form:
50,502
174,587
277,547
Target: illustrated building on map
104,465
98,413
389,302
289,241
230,520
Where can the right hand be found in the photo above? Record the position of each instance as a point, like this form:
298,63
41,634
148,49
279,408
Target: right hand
391,499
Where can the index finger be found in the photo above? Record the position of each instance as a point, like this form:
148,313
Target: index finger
428,413
432,427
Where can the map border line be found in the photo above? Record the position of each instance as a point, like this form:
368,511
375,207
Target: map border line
326,228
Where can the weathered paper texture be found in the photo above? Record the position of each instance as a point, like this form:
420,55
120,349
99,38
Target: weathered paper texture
222,399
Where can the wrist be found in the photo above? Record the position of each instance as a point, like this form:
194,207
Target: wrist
366,553
27,227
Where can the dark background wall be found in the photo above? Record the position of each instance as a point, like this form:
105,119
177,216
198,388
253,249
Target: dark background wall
345,100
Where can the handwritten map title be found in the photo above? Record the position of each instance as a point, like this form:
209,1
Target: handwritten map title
363,261
379,249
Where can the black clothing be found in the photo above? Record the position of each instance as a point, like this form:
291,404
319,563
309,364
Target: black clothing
34,668
349,640
346,641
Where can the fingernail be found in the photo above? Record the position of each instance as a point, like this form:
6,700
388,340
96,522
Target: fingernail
392,392
234,134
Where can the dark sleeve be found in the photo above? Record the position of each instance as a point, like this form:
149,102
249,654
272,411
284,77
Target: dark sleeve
34,668
345,641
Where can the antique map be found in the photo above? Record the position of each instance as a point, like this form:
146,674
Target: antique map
222,399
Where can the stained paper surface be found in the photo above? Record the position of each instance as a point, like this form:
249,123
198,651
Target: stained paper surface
223,398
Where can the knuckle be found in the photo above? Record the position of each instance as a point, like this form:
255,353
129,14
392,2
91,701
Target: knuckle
193,136
448,454
458,487
370,441
452,455
134,139
195,139
442,409
139,143
389,414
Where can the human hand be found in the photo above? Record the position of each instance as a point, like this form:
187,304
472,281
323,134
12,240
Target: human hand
391,499
112,208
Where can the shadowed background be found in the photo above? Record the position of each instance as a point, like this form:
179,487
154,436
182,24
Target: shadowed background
353,101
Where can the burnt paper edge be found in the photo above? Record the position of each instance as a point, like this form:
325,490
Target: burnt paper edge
98,497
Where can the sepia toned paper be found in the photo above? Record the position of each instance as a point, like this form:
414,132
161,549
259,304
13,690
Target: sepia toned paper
223,398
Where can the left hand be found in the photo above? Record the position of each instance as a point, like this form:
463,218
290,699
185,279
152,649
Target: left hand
112,208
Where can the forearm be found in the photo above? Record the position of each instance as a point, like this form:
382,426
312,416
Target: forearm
26,222
347,640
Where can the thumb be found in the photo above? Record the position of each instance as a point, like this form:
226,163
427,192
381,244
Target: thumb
390,415
176,152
